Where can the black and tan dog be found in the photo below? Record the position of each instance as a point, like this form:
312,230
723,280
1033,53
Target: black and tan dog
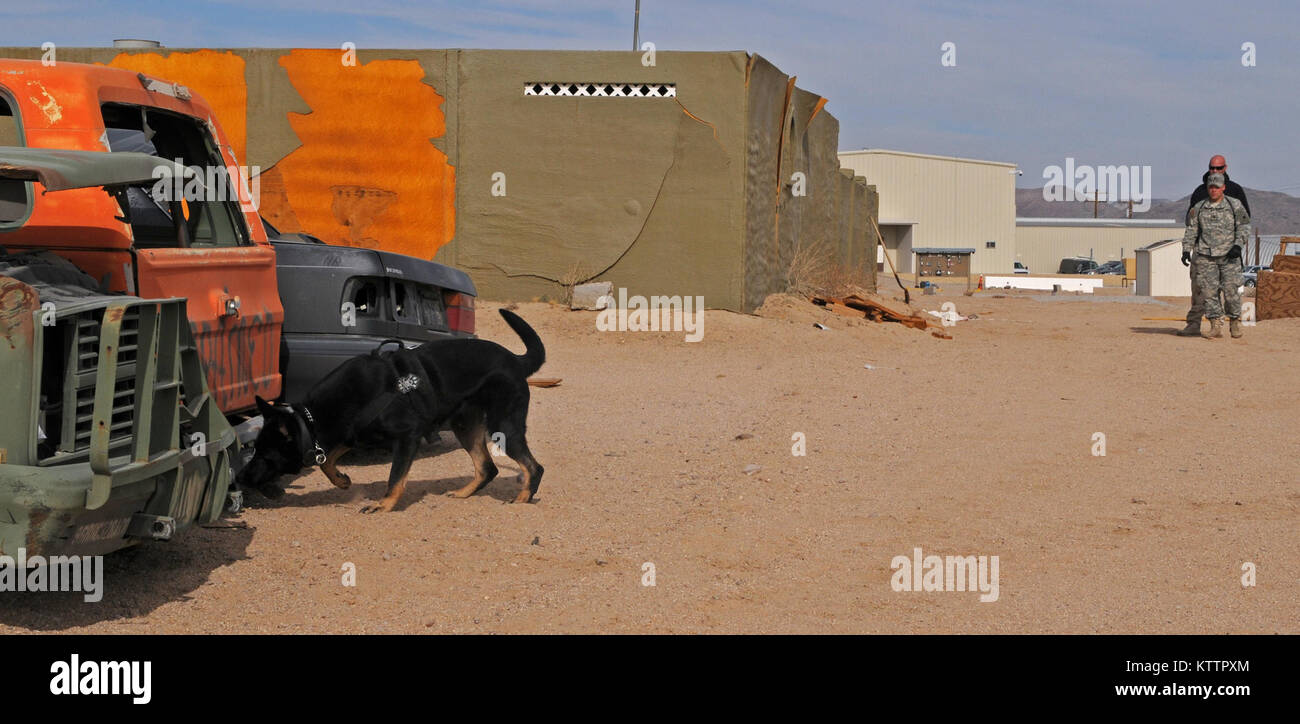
392,399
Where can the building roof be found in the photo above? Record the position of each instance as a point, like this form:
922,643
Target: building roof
1103,223
887,152
943,250
1157,244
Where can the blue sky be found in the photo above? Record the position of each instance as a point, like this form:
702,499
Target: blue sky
1104,82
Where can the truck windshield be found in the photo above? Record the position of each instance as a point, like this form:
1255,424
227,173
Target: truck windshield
209,206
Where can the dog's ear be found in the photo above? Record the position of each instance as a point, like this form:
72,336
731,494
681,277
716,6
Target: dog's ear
263,406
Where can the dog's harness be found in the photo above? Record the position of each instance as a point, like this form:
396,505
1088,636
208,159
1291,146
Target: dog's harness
307,423
312,451
405,384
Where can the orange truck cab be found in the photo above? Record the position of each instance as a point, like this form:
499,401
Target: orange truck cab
219,259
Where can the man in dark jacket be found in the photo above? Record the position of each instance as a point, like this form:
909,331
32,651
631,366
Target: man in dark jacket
1218,164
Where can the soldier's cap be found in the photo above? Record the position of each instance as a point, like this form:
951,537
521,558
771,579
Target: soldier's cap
1215,179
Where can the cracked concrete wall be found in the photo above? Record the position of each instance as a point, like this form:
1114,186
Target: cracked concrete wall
789,132
440,154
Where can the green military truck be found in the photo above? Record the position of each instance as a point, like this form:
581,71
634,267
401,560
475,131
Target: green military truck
109,434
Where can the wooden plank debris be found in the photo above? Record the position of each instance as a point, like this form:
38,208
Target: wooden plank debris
544,381
871,309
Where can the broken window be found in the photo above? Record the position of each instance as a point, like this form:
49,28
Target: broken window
207,206
364,295
406,305
15,196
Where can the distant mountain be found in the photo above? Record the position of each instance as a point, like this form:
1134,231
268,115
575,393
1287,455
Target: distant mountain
1274,212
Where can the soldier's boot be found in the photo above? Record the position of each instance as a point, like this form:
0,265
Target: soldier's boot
1193,329
1216,328
1234,327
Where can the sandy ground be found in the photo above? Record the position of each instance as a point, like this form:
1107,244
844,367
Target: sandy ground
979,445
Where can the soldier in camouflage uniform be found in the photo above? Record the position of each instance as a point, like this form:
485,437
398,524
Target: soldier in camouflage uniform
1218,228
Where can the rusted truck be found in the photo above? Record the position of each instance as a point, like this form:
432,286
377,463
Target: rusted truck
109,434
255,307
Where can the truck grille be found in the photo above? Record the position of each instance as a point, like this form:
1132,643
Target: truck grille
72,357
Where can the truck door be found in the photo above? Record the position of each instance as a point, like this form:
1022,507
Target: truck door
212,257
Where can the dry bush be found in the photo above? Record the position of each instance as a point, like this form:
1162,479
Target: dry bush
814,270
808,269
577,274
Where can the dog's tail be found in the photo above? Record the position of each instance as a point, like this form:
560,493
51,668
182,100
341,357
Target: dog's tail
534,355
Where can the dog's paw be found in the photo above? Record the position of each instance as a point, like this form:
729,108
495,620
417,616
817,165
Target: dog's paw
376,508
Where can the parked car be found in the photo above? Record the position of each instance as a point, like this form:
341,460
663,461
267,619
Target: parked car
372,295
1251,275
1110,267
1076,265
1020,269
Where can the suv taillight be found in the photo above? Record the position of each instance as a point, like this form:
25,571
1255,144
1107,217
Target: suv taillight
460,312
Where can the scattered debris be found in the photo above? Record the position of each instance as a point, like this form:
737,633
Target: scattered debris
743,436
544,381
537,540
819,325
951,317
861,307
751,468
869,366
940,335
594,297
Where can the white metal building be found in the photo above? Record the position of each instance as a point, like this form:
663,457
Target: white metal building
1160,270
1041,244
942,201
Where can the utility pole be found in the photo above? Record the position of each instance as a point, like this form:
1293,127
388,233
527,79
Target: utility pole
1096,195
1256,246
636,27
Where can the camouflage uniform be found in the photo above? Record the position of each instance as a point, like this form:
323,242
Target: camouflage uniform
1212,231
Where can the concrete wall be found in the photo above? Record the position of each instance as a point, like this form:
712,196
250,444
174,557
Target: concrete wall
955,202
441,154
1041,247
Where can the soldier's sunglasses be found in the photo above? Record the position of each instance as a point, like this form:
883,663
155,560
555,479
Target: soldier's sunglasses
1217,168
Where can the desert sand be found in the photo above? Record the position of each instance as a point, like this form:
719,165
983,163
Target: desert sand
980,445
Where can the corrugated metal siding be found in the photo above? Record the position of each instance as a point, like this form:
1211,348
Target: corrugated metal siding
955,202
1041,248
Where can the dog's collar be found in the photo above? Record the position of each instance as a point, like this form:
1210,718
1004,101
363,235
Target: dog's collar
308,423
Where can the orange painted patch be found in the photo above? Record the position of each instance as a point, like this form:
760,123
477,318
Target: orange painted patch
366,174
218,77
